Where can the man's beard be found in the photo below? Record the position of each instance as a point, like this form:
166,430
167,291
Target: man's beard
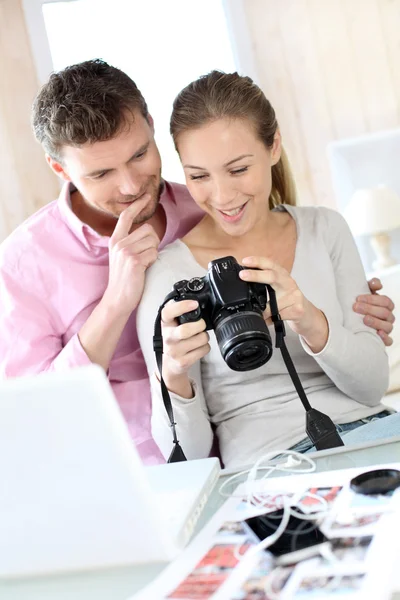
151,207
104,219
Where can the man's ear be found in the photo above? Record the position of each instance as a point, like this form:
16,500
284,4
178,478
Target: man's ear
276,149
150,121
57,168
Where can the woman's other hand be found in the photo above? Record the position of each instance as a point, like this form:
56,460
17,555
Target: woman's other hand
183,345
301,315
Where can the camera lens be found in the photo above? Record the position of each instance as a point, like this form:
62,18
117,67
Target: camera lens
247,353
244,341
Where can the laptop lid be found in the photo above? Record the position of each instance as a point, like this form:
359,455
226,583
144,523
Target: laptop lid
73,492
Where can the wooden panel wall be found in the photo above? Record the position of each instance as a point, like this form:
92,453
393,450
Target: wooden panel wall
331,69
26,182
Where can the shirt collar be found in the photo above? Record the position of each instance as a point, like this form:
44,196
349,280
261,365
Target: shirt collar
91,239
168,202
85,234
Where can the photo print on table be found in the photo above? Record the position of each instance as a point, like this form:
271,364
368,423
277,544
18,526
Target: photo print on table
334,585
210,573
309,501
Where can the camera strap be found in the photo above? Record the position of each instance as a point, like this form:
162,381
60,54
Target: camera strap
280,333
177,454
319,427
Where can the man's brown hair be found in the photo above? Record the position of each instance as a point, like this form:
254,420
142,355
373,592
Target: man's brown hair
84,103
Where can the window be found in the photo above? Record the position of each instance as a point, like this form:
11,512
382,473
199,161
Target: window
161,44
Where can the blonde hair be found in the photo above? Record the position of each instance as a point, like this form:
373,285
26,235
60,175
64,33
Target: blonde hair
221,95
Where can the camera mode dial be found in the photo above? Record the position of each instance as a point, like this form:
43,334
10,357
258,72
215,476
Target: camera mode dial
196,284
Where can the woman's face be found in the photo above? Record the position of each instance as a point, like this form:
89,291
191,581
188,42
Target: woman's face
228,172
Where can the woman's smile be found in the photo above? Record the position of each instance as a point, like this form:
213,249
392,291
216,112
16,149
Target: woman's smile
234,214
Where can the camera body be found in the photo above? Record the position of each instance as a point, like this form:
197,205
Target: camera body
233,308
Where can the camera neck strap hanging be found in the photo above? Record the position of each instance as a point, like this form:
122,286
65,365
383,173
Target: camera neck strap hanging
280,333
319,427
177,454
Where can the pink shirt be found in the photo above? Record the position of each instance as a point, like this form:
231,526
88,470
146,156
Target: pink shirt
53,272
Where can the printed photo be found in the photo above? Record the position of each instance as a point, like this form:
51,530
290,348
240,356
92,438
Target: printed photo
332,586
255,586
235,532
266,502
264,584
354,521
232,528
379,502
351,549
310,502
279,578
211,572
347,550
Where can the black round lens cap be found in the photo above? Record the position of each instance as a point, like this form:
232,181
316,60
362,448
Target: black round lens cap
380,481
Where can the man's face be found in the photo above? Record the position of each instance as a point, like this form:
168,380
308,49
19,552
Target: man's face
113,174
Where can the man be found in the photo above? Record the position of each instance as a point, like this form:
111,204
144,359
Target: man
72,275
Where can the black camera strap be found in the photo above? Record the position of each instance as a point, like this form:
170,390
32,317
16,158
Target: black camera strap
280,333
319,427
177,454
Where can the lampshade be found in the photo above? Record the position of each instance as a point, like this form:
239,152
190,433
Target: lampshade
373,211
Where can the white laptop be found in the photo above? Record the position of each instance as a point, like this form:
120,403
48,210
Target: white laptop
74,494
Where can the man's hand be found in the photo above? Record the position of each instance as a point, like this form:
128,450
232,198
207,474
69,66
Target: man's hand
378,311
130,255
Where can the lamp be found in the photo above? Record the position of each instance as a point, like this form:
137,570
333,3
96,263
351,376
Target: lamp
374,212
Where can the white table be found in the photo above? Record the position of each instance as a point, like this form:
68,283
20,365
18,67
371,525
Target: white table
120,584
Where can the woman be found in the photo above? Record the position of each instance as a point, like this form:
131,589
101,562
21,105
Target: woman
228,140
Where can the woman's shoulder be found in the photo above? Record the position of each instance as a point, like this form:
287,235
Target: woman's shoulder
170,252
317,219
174,263
165,264
177,257
160,278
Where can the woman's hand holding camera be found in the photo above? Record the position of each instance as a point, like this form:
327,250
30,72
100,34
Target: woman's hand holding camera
184,345
301,315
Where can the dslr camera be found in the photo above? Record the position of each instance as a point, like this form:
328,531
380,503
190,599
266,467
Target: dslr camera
234,309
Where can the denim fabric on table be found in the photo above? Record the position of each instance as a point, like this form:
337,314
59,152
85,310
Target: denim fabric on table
307,446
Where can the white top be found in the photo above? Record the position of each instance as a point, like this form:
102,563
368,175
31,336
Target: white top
254,412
